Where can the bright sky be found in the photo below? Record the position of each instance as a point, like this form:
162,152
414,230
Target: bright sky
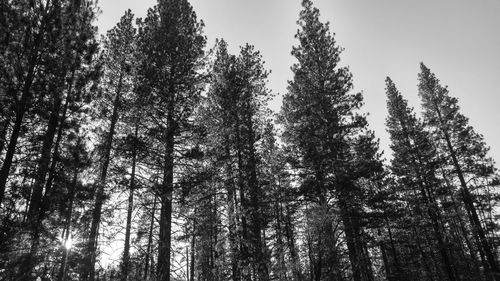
459,40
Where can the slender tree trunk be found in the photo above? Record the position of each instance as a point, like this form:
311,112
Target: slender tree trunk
126,248
3,133
67,229
90,260
21,108
468,199
193,247
310,253
55,154
35,209
278,228
360,263
443,249
399,269
292,248
231,209
35,216
423,255
165,239
389,274
244,251
23,103
150,241
255,194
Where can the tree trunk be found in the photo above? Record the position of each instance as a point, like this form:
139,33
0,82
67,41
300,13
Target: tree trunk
399,269
35,216
193,247
389,274
443,250
468,200
278,228
23,103
67,229
244,251
21,108
360,262
126,248
3,133
292,248
231,209
35,210
255,194
90,260
150,241
55,154
163,264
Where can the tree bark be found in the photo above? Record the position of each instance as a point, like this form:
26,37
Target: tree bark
126,248
165,239
193,247
231,202
3,134
255,194
292,248
150,241
244,251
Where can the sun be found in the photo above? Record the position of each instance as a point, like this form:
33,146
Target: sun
68,243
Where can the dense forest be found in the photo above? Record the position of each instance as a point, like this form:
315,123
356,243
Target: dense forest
149,142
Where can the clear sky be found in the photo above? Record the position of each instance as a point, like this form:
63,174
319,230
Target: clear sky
459,40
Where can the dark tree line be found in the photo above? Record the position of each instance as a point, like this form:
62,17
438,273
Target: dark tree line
147,144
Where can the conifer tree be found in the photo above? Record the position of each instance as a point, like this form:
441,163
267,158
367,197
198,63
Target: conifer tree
118,57
40,87
171,43
236,102
334,150
466,156
414,163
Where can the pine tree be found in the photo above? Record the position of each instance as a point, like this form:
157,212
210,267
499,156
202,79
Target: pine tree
465,152
334,150
171,44
60,45
414,164
118,57
236,104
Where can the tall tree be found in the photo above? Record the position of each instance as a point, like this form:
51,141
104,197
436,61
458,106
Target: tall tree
68,36
330,139
171,43
118,58
414,163
235,104
50,32
465,151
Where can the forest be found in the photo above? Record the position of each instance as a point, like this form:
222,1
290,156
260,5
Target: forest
150,143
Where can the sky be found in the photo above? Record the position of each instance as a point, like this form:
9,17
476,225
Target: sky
459,40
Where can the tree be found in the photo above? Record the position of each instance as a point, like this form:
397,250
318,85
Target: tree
171,44
235,114
465,152
414,163
331,143
118,56
40,89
